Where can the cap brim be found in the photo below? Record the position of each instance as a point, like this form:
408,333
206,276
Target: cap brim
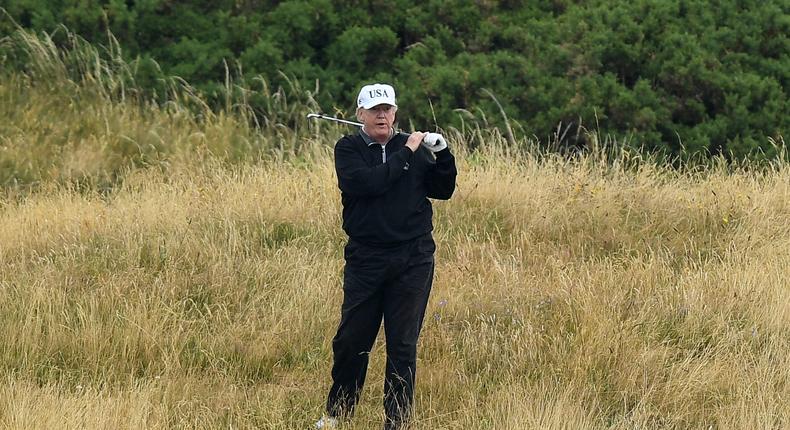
375,103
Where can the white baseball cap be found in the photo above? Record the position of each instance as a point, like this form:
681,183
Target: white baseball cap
376,94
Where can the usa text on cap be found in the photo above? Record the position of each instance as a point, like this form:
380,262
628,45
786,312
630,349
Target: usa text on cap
376,94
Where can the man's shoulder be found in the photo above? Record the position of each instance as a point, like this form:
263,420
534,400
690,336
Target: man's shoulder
350,140
400,137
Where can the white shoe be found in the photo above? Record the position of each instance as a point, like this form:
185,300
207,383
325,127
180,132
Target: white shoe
326,423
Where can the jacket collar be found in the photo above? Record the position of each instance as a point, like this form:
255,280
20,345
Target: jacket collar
369,140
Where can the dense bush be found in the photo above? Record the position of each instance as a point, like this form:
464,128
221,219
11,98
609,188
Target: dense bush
695,75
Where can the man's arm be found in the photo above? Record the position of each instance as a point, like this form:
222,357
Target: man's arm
440,180
357,179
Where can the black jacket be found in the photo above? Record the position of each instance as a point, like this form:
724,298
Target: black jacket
386,203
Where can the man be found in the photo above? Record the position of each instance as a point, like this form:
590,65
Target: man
385,179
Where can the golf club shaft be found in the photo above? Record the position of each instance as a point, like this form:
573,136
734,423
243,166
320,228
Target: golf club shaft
321,116
330,118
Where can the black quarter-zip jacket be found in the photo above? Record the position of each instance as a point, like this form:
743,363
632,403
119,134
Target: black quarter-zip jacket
385,189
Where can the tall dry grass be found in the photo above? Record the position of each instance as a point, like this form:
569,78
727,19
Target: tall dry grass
188,287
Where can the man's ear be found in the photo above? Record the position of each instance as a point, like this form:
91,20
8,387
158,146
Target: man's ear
359,112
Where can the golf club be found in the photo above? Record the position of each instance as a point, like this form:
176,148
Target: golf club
322,116
431,139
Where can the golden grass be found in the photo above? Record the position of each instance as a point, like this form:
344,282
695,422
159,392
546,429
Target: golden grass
567,295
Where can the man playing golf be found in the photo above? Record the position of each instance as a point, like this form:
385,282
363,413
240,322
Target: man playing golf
385,180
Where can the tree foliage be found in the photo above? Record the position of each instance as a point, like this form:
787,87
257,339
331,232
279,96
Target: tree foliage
674,75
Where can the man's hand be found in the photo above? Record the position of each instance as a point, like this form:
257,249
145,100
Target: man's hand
434,141
414,140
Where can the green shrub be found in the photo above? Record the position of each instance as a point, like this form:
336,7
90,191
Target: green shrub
678,76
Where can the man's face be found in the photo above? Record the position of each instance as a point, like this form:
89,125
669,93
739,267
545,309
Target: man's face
377,120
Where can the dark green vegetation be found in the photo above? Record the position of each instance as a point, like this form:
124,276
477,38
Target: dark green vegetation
681,76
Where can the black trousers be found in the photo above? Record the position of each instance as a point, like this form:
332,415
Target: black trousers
389,283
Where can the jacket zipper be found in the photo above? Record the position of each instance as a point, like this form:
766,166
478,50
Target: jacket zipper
383,154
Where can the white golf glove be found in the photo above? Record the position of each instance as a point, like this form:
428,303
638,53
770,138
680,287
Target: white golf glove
434,142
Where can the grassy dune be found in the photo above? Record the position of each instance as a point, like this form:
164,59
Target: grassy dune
166,269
